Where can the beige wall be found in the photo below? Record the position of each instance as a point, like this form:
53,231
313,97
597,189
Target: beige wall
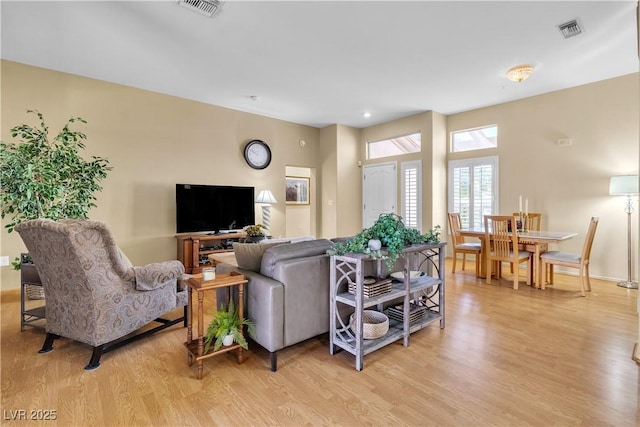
328,182
568,184
430,125
300,220
153,142
348,178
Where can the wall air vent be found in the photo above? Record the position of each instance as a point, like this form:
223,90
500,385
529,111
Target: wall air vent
203,7
570,29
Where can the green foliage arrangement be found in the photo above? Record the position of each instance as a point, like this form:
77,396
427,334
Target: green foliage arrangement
47,179
393,235
227,322
254,230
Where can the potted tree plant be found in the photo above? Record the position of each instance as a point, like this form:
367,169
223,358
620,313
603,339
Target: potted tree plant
226,327
42,178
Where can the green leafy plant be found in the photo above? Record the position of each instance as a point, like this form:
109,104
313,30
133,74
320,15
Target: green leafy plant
393,235
227,322
47,179
254,230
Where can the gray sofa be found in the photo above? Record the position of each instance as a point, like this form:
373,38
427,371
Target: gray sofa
287,296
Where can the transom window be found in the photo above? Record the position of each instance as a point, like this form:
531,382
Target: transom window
404,144
474,139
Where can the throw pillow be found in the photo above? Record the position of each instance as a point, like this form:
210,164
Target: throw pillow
249,255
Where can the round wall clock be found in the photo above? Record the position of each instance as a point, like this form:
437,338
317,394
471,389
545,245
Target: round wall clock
257,154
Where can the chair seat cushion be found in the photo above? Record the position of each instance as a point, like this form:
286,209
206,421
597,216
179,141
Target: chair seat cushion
561,256
468,246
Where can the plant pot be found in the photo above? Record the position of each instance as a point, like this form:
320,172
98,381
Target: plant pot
255,239
227,340
375,244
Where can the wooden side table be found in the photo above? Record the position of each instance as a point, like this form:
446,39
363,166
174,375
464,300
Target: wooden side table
195,348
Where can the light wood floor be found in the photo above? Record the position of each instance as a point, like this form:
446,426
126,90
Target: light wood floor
506,358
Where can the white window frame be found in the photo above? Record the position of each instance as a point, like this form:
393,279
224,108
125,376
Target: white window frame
391,142
411,193
473,218
479,128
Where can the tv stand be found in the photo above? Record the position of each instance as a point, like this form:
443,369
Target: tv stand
194,249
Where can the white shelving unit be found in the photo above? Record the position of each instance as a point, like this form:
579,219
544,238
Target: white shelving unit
425,293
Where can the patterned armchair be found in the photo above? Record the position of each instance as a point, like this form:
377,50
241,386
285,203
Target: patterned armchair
93,293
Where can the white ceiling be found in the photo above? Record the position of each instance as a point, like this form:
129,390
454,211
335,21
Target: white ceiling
321,62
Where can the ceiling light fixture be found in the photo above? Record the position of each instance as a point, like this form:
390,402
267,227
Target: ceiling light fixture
366,114
519,72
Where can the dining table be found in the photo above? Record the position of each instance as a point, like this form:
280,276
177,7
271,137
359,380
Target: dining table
538,239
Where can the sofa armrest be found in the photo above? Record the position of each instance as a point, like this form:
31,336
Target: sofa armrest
264,303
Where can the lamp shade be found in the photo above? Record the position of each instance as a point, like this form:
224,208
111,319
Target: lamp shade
265,196
623,185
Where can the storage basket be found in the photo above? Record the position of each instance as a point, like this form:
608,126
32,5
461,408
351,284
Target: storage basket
34,291
416,313
375,324
372,289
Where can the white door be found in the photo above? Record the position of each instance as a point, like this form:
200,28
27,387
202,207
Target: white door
379,191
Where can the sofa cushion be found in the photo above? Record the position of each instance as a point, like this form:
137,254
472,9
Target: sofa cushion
249,255
294,250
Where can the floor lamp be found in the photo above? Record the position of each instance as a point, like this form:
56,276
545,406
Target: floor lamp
266,198
626,185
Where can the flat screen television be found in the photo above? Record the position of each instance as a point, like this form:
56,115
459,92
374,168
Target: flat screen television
213,208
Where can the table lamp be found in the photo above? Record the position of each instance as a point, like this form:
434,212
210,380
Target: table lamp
266,198
626,185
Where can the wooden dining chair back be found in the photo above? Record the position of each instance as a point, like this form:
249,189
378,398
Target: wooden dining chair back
534,220
501,236
572,260
534,223
460,246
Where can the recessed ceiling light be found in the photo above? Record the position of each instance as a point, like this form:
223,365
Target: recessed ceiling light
366,114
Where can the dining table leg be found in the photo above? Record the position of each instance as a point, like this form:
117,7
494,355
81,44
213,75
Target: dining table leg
536,266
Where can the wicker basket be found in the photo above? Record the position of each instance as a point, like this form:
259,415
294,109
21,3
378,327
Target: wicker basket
370,290
34,291
374,324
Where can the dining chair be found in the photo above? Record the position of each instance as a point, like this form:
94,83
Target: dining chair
572,260
534,224
534,219
502,242
460,246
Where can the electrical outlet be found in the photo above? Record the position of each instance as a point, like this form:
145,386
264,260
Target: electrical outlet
4,261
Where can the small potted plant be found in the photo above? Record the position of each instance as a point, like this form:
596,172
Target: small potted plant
226,327
255,233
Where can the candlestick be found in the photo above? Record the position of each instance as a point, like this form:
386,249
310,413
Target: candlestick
526,207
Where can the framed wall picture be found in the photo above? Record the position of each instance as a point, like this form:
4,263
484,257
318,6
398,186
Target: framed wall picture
297,190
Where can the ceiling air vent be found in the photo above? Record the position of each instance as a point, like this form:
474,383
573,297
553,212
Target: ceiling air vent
203,7
570,29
